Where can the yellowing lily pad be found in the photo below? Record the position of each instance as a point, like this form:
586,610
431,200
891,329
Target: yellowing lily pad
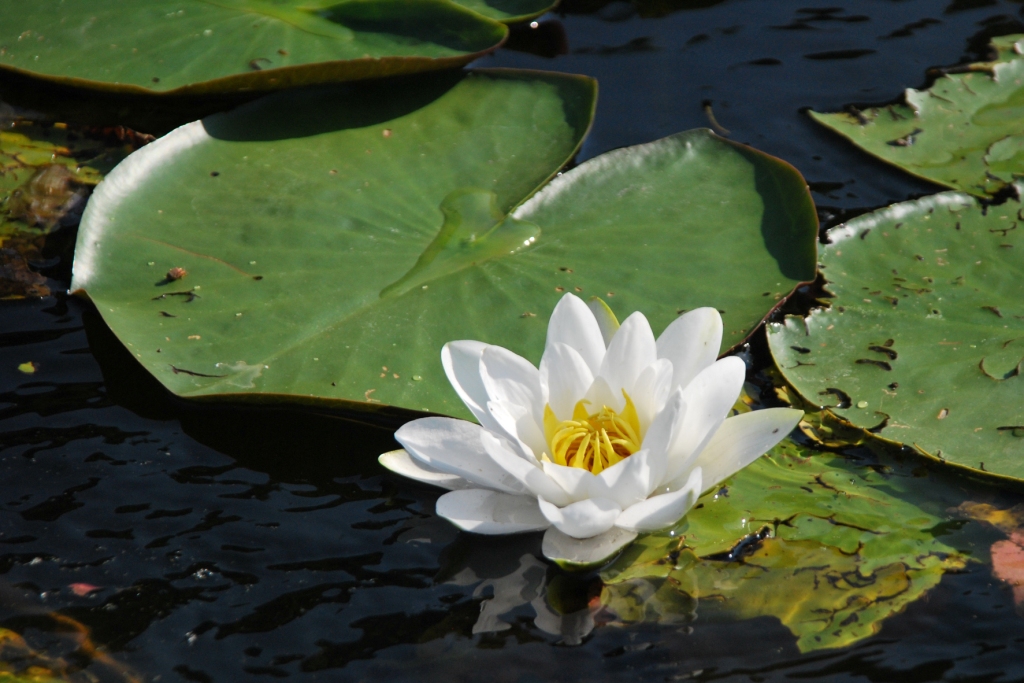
79,658
964,132
828,547
46,172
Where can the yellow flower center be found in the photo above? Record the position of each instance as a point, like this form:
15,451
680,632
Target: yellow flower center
592,441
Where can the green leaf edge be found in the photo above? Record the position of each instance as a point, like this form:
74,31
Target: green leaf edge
788,170
974,474
287,77
821,118
520,18
983,476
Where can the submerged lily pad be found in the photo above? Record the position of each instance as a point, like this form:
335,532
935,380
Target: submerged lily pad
211,46
924,340
46,172
74,657
827,546
964,132
332,242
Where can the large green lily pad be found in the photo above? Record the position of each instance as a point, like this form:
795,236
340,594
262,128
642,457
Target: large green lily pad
335,240
924,339
199,47
828,546
964,132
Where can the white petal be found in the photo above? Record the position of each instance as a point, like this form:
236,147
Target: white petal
461,361
575,481
567,377
574,325
632,349
743,439
528,474
661,511
663,432
531,435
606,319
691,343
514,383
582,519
627,482
490,512
511,421
454,446
400,462
651,390
600,394
709,398
512,379
571,552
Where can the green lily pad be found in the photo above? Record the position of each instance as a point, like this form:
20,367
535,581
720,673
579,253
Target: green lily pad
333,243
964,132
200,47
828,547
1005,48
669,226
46,172
924,339
509,11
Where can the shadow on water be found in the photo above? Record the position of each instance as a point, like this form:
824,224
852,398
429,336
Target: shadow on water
155,115
266,438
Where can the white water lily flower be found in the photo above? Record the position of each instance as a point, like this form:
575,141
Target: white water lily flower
616,433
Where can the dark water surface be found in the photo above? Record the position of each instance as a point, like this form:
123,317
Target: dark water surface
237,545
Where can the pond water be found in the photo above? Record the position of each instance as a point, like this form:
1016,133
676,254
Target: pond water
228,544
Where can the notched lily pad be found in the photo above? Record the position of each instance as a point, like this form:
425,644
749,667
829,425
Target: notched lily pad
963,132
925,334
199,47
367,227
828,547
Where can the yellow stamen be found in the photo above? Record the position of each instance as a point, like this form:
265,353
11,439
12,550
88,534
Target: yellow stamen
592,441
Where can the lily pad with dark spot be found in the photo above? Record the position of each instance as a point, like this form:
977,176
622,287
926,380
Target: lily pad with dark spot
964,132
924,334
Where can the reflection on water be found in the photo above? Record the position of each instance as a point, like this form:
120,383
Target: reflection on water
231,543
